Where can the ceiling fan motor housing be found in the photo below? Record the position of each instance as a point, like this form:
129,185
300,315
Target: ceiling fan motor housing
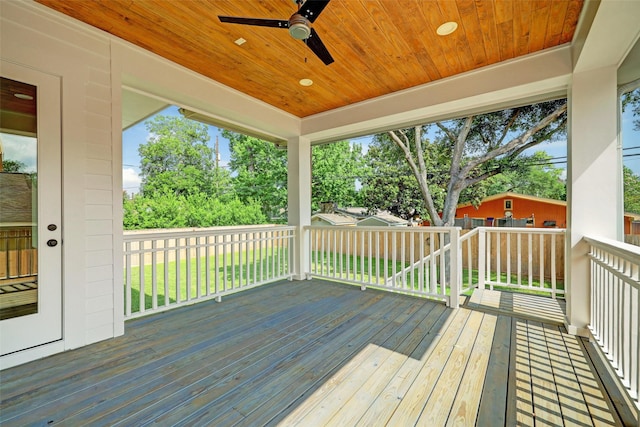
299,27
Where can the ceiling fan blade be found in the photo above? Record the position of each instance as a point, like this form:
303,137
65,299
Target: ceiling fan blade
311,9
277,23
316,45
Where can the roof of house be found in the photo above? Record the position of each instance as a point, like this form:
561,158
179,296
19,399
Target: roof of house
335,219
16,196
357,212
510,195
386,217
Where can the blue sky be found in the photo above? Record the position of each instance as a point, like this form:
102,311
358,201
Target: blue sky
138,134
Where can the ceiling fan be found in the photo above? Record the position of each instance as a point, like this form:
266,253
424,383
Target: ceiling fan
298,25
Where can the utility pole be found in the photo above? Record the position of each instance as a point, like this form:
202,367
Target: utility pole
217,149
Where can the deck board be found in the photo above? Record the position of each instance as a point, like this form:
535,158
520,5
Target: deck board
316,353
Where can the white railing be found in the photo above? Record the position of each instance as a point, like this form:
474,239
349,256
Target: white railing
615,308
529,259
420,260
411,260
170,268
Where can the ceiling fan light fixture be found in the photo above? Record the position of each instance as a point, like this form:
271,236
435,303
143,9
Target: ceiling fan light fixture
299,27
447,28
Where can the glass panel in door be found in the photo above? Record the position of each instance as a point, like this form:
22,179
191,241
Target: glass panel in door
19,195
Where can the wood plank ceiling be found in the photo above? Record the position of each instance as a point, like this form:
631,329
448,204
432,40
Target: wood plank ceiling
379,46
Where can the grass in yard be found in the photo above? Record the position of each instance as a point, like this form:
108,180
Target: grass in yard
186,278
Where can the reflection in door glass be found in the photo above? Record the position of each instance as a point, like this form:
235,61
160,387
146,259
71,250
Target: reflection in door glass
18,200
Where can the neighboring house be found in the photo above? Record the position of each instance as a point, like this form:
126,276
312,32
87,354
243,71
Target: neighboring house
519,210
332,219
511,209
631,223
355,212
383,219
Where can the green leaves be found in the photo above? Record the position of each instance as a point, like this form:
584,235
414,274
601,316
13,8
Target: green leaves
200,210
335,169
261,173
176,158
631,191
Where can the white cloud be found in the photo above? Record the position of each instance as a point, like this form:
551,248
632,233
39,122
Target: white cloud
22,149
130,181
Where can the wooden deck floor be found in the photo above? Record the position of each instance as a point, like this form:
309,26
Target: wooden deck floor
315,354
519,304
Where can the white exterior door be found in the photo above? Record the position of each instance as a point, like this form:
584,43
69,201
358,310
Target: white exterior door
30,209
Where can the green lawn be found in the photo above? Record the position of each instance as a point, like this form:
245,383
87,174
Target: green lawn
240,270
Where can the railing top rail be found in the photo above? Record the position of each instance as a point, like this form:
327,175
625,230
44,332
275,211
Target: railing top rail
382,228
468,235
524,230
625,250
198,232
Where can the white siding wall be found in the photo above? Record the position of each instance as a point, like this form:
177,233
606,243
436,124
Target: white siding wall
34,37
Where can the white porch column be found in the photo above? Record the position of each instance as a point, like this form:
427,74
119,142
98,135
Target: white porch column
593,173
299,203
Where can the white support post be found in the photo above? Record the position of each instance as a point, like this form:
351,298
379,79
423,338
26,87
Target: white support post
592,178
299,203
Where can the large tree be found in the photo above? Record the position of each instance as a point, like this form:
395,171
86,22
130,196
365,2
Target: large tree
176,158
535,176
631,191
260,170
477,147
335,169
388,183
631,101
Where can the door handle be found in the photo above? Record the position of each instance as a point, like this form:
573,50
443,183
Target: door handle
52,242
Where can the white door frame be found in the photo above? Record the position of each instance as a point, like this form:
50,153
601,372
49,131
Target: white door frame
21,333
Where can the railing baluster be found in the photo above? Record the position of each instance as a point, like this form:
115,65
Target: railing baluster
421,283
142,292
166,272
530,259
541,261
394,251
207,265
154,278
178,278
198,269
370,255
519,257
488,260
508,258
187,260
362,258
553,266
127,263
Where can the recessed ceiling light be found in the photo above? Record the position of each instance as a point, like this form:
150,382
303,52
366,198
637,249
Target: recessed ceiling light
306,82
447,28
23,96
240,41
